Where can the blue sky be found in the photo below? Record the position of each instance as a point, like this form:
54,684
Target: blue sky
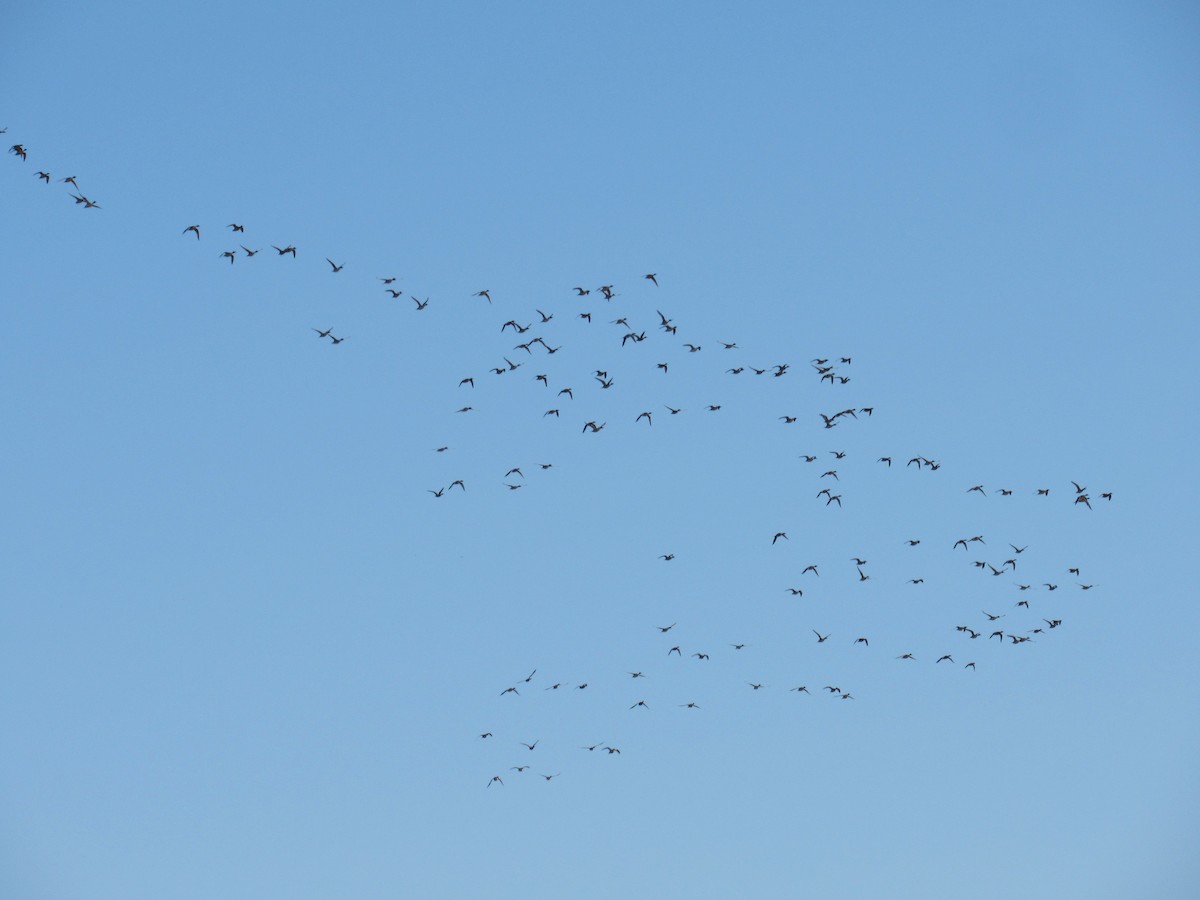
246,652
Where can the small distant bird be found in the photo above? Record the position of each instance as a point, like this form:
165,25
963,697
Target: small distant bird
283,251
483,293
821,638
778,535
195,228
45,176
652,277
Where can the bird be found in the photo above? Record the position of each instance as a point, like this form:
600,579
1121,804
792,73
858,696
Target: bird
321,333
946,657
193,228
548,777
652,277
646,416
530,746
778,535
821,638
496,779
249,252
283,251
484,293
45,176
641,703
663,629
396,295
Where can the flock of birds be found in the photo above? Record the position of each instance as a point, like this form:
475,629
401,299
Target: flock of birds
533,361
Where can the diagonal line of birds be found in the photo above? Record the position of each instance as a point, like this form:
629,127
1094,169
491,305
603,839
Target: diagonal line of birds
532,365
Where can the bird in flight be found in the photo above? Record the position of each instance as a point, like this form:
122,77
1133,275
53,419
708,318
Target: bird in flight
283,251
484,293
778,535
193,228
652,277
821,638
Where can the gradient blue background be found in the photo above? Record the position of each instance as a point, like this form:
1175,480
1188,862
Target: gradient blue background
245,654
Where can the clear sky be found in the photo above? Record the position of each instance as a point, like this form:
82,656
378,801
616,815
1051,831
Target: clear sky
247,651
